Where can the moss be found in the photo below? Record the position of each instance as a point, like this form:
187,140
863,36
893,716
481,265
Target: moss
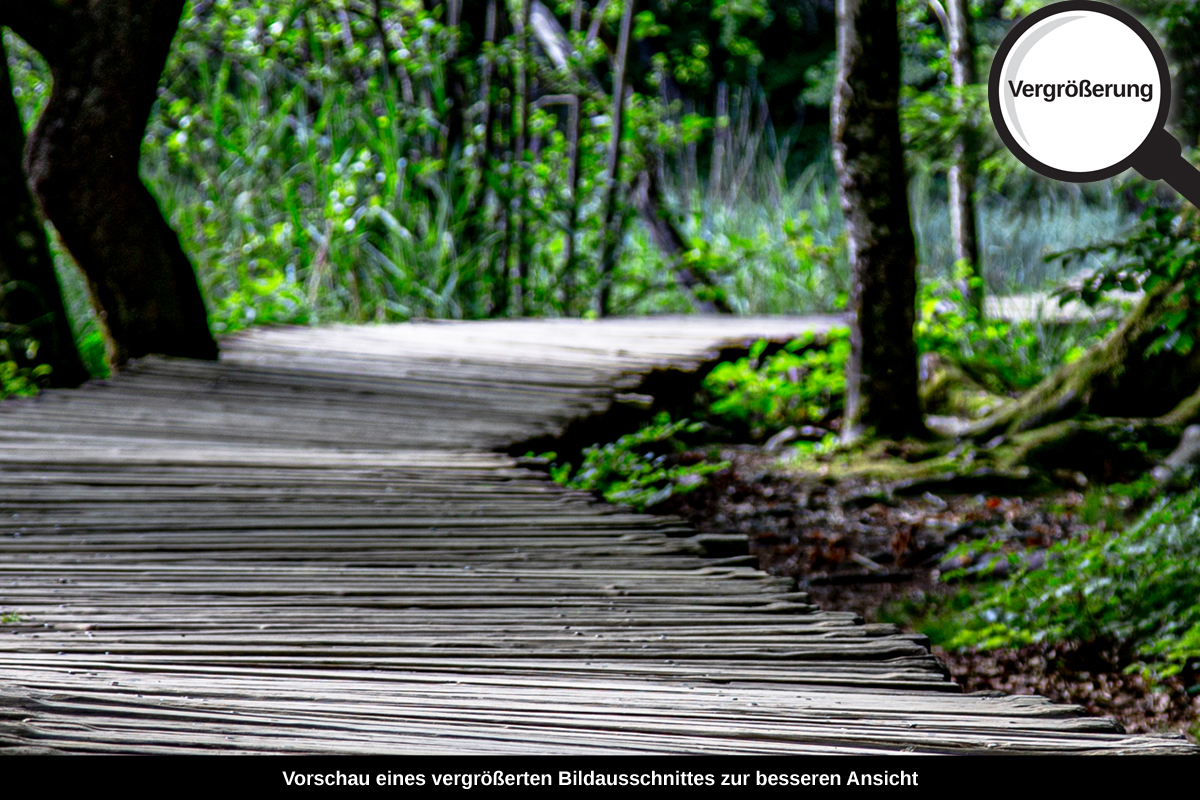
946,389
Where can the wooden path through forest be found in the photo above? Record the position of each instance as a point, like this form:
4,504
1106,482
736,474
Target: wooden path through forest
317,545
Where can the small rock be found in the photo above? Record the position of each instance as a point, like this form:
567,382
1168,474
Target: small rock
935,501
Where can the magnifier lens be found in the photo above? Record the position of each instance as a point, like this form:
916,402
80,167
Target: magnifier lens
1080,91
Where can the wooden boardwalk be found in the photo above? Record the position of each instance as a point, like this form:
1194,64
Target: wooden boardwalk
315,545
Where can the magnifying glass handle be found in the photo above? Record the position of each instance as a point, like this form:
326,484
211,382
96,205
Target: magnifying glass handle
1160,158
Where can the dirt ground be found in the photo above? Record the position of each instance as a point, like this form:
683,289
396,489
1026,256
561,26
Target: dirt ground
856,547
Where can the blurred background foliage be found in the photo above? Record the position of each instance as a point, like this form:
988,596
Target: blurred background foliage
315,164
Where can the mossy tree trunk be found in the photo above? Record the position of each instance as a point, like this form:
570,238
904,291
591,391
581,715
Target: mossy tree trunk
1103,416
1114,379
31,305
881,376
106,57
962,175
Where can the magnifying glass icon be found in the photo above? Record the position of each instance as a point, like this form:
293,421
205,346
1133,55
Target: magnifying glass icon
1079,91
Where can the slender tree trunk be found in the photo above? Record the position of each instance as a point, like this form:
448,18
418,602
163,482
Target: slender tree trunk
963,170
568,281
520,173
456,84
610,239
486,89
504,192
881,376
471,19
597,19
389,79
487,158
106,57
31,304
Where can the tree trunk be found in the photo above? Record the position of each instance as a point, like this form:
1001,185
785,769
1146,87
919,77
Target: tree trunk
106,57
573,130
610,238
31,305
881,375
471,19
963,171
522,247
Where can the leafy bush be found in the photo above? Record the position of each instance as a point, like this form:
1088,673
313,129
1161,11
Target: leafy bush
273,298
802,384
1002,355
641,469
1164,253
20,374
19,381
1137,591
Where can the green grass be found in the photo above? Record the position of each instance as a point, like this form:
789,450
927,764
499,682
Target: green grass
1017,233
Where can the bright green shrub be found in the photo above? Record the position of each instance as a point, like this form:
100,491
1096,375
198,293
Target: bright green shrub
1002,355
21,381
802,384
641,469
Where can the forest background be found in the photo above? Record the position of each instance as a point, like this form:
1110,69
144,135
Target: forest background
370,161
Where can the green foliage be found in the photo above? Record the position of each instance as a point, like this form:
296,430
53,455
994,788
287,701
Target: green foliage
18,381
1163,252
641,469
1182,28
303,154
1003,356
1109,507
301,184
934,614
802,384
1137,590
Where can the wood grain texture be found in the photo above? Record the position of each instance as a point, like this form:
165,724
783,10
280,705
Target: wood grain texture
315,545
